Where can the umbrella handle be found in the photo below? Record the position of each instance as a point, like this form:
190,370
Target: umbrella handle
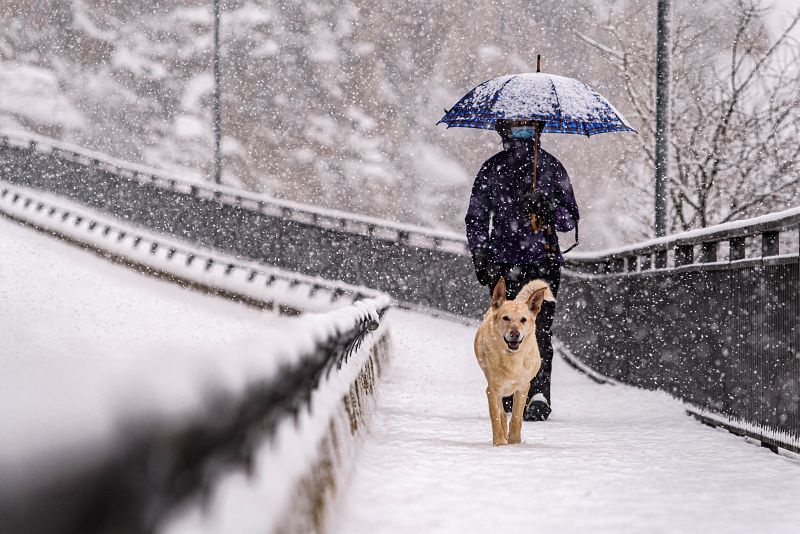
534,219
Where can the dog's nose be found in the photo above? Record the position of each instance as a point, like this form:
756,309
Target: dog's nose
514,334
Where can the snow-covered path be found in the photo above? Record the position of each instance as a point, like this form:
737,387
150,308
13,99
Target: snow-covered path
610,459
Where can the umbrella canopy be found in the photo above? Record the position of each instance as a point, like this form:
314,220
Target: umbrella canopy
562,105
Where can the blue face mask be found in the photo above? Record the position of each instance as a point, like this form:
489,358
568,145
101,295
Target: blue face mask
523,132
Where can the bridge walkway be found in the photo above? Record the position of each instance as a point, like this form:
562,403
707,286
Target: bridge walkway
610,459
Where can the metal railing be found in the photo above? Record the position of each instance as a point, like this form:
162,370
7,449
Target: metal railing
136,484
248,282
711,316
162,461
414,265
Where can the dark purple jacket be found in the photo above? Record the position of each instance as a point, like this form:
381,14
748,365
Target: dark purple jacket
496,219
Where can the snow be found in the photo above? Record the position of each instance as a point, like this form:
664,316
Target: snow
384,229
82,21
258,503
191,126
200,86
88,346
361,119
268,48
244,278
94,336
611,458
125,59
34,94
441,167
526,95
770,218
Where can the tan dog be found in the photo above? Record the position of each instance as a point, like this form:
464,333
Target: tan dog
506,348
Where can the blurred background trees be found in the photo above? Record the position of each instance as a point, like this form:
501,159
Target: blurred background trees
736,111
334,103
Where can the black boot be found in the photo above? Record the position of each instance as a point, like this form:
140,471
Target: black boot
538,409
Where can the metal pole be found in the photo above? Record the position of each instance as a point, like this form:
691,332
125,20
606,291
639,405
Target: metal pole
216,99
662,116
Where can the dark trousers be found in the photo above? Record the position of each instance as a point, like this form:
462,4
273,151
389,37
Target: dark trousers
516,276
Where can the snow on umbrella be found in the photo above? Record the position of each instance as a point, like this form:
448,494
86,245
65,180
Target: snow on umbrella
554,104
562,105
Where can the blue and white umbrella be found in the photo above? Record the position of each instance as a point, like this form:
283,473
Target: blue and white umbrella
562,105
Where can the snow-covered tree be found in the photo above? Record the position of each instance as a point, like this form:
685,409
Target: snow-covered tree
735,109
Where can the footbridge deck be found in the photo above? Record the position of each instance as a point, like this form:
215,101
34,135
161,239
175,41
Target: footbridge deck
612,458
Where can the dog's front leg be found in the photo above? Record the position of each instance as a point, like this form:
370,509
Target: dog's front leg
497,415
520,397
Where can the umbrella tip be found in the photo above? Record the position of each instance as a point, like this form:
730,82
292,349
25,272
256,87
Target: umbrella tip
538,63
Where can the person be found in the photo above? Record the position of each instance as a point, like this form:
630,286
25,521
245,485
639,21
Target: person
511,231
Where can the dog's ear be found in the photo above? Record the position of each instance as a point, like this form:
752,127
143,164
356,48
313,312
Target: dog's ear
537,298
499,293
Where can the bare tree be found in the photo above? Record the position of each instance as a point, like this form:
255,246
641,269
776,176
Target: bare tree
735,118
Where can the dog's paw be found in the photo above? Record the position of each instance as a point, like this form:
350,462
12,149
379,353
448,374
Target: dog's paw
514,440
498,443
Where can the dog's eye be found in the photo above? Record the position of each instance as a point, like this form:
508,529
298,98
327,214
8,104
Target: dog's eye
506,318
524,319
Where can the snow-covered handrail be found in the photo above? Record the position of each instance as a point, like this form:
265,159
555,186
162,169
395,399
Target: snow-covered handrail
693,247
211,271
711,316
304,213
364,252
131,466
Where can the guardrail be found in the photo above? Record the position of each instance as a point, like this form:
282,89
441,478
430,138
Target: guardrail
710,316
299,402
163,459
415,265
248,282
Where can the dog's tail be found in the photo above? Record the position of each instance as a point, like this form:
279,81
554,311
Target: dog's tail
533,286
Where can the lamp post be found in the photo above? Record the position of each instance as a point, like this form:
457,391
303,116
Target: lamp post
216,98
662,116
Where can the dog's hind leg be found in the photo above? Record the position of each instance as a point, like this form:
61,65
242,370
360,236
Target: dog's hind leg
520,397
498,418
